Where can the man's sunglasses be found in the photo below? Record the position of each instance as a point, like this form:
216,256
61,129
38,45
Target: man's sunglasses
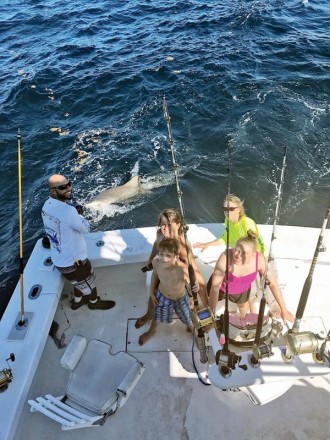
231,208
63,187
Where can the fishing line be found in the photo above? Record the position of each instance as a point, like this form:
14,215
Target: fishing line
270,257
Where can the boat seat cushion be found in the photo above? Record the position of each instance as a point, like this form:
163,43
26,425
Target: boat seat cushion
73,353
94,381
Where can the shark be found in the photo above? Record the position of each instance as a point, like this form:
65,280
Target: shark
116,194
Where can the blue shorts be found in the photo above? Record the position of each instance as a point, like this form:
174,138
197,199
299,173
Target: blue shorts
164,311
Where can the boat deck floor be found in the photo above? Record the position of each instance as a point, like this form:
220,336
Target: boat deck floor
169,402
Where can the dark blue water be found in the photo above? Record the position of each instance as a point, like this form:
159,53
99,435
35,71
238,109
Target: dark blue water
252,75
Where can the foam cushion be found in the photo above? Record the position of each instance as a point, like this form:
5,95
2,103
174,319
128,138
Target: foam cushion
95,380
73,352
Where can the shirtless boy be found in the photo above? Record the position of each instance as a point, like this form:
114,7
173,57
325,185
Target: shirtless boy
170,225
171,294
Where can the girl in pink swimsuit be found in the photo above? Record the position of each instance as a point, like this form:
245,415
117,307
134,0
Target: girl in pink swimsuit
239,287
244,266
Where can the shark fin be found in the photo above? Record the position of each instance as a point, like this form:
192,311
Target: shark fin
134,181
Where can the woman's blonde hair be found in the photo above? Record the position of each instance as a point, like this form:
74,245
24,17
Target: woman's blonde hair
250,239
172,216
234,199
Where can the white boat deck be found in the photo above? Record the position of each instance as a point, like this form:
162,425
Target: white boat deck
169,402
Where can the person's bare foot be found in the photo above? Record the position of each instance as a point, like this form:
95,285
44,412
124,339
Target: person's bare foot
140,322
145,337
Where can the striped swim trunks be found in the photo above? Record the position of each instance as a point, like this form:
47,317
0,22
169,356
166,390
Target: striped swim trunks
165,308
81,276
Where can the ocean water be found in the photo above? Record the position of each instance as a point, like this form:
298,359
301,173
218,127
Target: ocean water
84,82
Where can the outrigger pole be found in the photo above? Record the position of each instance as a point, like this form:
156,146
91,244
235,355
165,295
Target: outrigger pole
197,313
263,350
22,321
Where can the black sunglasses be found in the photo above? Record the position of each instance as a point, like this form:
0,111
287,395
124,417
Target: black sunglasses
63,187
231,208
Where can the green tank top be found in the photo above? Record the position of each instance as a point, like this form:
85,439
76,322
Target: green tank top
239,230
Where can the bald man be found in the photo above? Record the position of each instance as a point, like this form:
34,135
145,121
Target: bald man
65,228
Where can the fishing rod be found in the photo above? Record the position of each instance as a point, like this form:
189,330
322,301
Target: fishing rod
308,282
306,342
179,193
226,313
263,350
224,358
200,317
19,159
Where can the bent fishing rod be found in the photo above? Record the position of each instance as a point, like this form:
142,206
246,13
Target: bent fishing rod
259,351
199,319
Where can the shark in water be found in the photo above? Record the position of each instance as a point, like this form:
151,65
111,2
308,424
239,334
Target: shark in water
116,194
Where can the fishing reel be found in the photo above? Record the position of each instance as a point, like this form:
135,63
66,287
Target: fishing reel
202,317
260,351
305,342
6,375
320,356
264,349
299,343
227,361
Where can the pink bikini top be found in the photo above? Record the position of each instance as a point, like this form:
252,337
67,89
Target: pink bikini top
237,285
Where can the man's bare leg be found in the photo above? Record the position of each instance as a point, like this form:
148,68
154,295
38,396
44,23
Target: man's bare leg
146,318
147,335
